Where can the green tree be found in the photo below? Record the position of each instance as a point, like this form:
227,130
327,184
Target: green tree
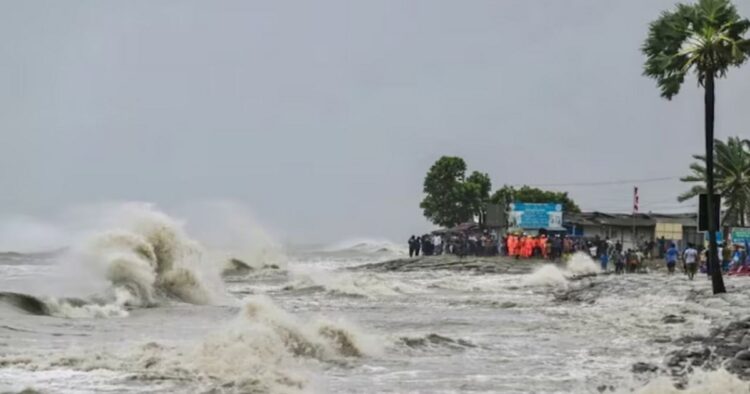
451,198
706,38
508,194
731,177
478,187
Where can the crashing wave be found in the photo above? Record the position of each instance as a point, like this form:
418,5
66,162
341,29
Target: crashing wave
579,265
65,307
151,257
143,259
264,349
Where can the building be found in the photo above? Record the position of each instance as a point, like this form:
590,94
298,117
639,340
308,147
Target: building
634,229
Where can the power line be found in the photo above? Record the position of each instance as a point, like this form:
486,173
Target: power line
603,183
644,207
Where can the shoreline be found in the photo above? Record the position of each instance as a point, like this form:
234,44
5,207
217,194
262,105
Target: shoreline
482,264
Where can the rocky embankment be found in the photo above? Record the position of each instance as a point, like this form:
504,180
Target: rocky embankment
725,347
496,264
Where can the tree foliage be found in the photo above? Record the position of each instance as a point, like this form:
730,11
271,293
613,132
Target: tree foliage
706,38
508,194
732,177
450,197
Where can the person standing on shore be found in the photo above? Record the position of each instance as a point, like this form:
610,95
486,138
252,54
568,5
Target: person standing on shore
690,255
620,262
671,257
662,246
412,240
726,257
417,245
604,259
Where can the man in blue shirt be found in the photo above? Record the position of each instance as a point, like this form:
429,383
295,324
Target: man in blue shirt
671,257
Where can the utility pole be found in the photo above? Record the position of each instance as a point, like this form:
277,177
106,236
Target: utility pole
636,201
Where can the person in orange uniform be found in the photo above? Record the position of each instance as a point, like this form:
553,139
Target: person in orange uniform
542,245
528,247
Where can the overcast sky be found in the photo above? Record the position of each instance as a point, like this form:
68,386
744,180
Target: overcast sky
323,116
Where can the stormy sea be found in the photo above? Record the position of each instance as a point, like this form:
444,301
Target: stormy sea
145,303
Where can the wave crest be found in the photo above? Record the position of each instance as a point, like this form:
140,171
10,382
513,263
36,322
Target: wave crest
151,257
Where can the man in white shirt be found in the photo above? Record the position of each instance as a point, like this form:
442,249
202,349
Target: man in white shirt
690,255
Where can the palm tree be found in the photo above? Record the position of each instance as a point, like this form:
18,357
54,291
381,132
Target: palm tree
706,38
731,177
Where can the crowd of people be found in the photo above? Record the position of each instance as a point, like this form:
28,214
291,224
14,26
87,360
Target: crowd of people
734,259
521,245
555,247
460,244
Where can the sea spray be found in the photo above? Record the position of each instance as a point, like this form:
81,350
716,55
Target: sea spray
552,275
231,234
546,275
582,264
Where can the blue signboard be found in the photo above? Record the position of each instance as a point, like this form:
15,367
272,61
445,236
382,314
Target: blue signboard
535,216
740,235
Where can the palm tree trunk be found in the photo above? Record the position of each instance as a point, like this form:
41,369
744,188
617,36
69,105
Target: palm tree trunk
713,258
742,215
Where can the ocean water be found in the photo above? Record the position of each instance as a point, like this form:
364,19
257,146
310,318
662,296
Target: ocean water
142,307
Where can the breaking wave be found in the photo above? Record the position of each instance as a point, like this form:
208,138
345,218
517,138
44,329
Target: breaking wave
141,259
65,307
579,265
151,257
546,275
320,338
582,264
264,349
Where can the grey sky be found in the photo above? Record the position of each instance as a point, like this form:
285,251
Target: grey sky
324,116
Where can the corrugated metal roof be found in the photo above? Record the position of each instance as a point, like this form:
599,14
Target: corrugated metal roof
625,220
